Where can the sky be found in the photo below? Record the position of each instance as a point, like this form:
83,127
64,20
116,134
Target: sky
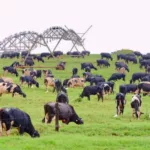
116,24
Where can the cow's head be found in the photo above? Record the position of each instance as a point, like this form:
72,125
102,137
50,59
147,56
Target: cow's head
79,121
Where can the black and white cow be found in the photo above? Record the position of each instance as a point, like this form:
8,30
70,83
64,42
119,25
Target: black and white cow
120,101
14,117
136,103
66,113
29,80
11,70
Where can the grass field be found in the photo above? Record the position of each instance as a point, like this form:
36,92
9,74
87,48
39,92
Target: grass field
101,131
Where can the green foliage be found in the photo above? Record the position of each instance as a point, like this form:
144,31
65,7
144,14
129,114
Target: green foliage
123,51
100,130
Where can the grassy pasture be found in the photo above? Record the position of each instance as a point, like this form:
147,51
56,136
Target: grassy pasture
100,130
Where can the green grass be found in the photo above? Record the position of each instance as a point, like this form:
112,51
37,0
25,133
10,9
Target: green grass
101,131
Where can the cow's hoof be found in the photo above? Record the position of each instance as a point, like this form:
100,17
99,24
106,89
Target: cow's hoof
115,115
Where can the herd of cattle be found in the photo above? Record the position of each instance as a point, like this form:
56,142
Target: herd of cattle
98,86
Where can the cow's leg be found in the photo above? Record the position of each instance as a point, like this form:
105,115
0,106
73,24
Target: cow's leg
88,97
21,130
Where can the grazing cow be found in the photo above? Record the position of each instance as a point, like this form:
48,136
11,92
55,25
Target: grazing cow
106,55
121,70
39,58
76,82
84,65
29,62
49,81
85,52
58,86
95,80
14,117
131,59
117,76
76,54
144,63
92,90
137,53
15,64
121,56
128,88
6,87
33,73
11,70
29,80
146,56
62,97
103,62
66,113
136,103
110,83
120,101
137,76
121,64
44,54
61,66
144,87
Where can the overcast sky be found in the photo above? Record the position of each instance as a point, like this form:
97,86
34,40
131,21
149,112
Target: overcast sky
116,24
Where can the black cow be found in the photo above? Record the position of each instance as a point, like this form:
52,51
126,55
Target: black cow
137,53
66,113
29,62
11,70
103,62
62,97
84,65
95,79
57,53
39,58
15,64
146,56
127,88
106,55
121,64
29,80
120,101
45,54
137,76
145,87
131,59
18,119
92,90
144,63
136,103
117,76
121,56
85,52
